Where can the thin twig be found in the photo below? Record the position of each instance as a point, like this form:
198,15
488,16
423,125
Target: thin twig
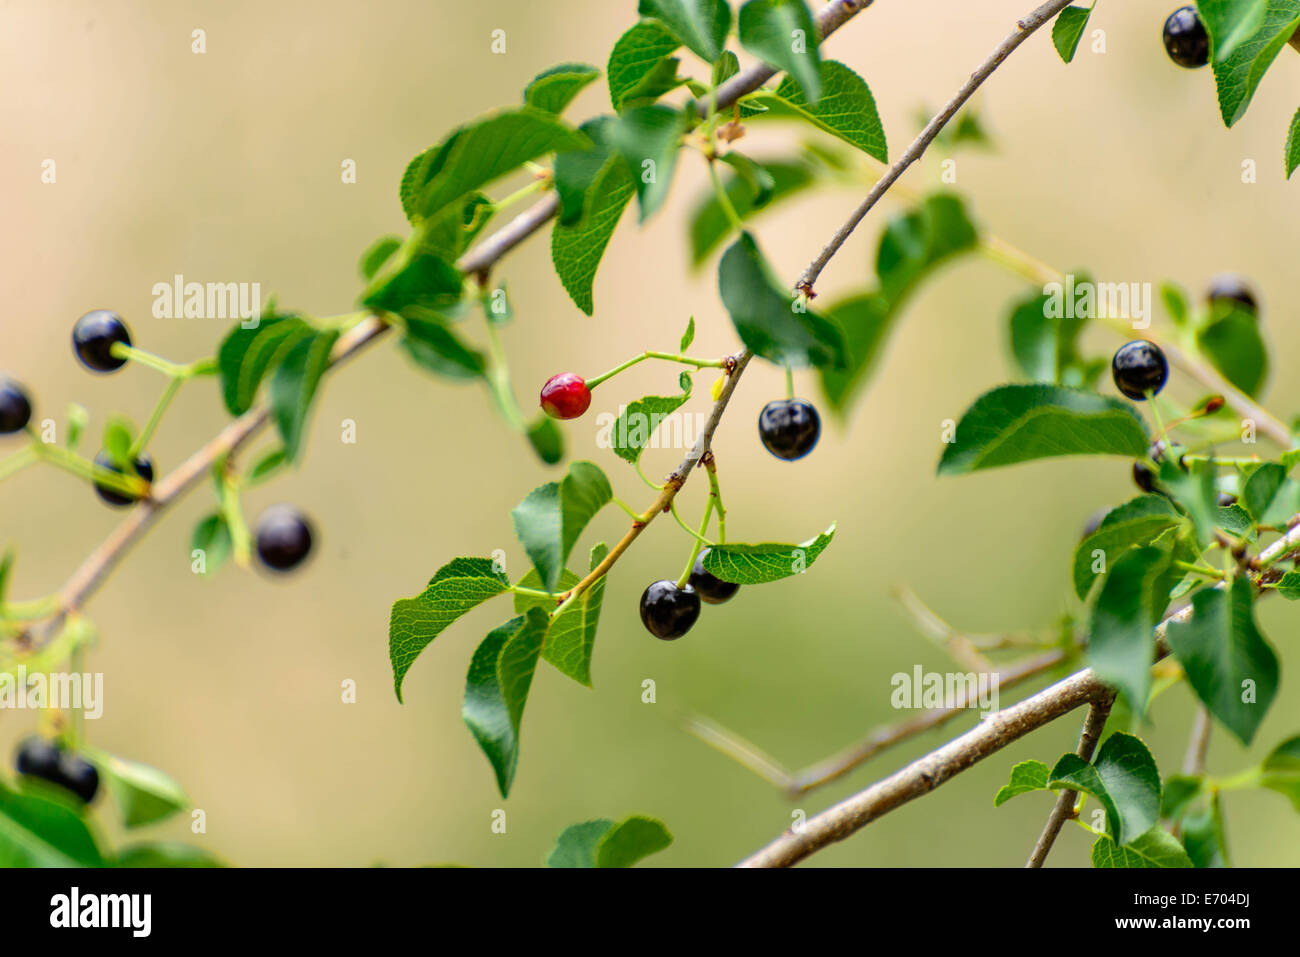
1063,810
1198,745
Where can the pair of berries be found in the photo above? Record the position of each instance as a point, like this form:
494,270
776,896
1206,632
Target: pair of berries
668,612
49,762
1185,38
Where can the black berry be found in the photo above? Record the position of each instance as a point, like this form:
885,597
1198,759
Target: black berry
1186,41
1228,292
668,612
565,396
79,776
1144,476
43,759
143,469
39,758
1139,367
15,407
709,587
283,538
94,336
1225,499
789,428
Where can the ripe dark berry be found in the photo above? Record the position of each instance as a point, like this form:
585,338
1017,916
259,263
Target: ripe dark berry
45,760
93,338
15,407
283,538
1186,41
709,587
668,612
565,396
1227,292
143,469
789,428
1144,477
1139,367
39,758
1225,499
79,776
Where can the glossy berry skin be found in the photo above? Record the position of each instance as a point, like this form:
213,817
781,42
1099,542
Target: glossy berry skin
143,469
45,760
1186,41
668,612
1227,292
709,587
284,538
15,407
565,396
94,336
1138,367
1144,477
789,428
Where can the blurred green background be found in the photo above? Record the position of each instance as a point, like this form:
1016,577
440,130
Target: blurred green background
225,167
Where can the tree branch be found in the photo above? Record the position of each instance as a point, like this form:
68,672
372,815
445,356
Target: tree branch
1063,810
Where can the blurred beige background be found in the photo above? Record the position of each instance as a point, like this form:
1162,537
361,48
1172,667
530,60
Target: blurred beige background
225,166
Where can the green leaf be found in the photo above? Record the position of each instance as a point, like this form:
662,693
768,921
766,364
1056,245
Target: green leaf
435,346
915,243
1226,658
549,521
640,69
699,25
576,249
449,233
773,324
1280,771
212,536
247,354
728,65
478,154
1139,521
648,138
1178,794
1244,44
1121,639
846,108
1234,347
1292,151
576,171
710,224
866,320
144,794
572,635
1204,837
1175,299
761,183
377,254
294,386
1269,496
1156,848
458,586
1017,423
1025,777
1288,586
1123,778
413,279
554,89
6,569
688,336
546,439
119,434
496,690
636,425
603,843
264,467
783,34
1068,30
40,832
759,564
1045,345
165,854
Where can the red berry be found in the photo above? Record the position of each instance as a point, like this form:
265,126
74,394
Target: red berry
565,396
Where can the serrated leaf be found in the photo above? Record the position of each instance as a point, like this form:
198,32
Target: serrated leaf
1291,153
1234,346
1025,777
710,224
1018,423
1123,778
247,354
699,25
554,89
1288,586
769,562
1250,45
576,171
412,279
767,320
846,109
637,424
293,387
40,832
649,138
576,250
1121,630
434,345
1139,521
783,34
604,843
458,586
496,690
1156,848
212,536
1068,30
143,794
639,67
1280,771
549,521
1226,658
572,635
